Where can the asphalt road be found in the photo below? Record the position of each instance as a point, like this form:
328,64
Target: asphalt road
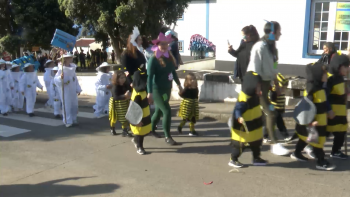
40,157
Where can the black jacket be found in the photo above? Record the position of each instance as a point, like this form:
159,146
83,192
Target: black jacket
243,57
132,64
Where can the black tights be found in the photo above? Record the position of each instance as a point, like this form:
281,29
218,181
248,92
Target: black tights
139,140
238,149
338,141
319,153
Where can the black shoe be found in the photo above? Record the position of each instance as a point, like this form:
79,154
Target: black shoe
170,141
259,162
113,131
235,164
126,133
155,134
325,165
106,112
179,129
58,116
4,114
339,155
299,157
31,115
193,133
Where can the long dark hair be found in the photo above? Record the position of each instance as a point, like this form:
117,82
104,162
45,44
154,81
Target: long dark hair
130,48
116,76
271,43
251,32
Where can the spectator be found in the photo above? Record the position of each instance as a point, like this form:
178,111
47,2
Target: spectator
82,59
88,59
174,45
93,58
250,37
104,55
328,53
113,56
76,58
98,57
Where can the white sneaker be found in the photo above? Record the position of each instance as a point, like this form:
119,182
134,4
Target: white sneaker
278,149
69,125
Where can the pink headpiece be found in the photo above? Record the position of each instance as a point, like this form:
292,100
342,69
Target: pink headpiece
161,38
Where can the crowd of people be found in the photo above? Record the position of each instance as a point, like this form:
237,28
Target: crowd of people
151,69
261,102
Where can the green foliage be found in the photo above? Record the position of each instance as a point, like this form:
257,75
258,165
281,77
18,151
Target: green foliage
31,23
116,18
10,43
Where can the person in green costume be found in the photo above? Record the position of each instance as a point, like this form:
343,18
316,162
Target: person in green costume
161,73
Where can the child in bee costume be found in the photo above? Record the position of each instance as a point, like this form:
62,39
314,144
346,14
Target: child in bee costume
316,76
189,108
103,88
17,97
5,92
139,96
55,95
337,97
247,112
71,89
279,102
119,102
27,86
48,78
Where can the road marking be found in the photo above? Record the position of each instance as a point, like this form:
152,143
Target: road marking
35,119
80,114
6,131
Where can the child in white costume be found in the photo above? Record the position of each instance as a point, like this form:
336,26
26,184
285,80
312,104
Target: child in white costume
17,97
4,89
55,95
71,90
103,89
27,86
10,83
47,79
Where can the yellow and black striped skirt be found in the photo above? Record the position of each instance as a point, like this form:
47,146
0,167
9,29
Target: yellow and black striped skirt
117,111
189,109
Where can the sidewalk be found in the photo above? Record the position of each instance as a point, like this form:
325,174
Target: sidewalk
217,111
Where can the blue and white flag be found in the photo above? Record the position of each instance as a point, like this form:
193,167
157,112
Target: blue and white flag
63,40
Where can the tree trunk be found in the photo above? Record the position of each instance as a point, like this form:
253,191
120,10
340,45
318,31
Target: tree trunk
117,47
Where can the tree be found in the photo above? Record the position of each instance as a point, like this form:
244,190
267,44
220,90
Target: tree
116,18
32,23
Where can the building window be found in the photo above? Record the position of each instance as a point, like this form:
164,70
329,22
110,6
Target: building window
330,22
181,46
180,17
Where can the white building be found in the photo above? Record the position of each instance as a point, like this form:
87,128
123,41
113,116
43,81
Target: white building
306,25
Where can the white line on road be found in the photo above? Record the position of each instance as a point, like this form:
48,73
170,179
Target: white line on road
35,119
80,114
6,131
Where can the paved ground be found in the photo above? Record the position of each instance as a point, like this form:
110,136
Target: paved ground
48,160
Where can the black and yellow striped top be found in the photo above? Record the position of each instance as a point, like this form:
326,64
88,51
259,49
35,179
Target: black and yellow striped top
252,116
279,101
337,98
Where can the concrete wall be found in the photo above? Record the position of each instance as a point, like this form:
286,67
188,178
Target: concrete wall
226,18
199,65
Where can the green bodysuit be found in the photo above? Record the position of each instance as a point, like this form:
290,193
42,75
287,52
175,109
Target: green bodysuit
159,83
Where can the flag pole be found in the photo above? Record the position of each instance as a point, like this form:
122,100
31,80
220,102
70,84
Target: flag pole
63,103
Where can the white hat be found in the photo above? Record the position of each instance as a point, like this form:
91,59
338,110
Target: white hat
68,55
2,61
55,68
14,66
134,35
28,64
104,64
48,61
9,63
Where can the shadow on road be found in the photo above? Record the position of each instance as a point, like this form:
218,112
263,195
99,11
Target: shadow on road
51,188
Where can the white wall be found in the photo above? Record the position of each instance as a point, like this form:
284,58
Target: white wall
228,17
194,23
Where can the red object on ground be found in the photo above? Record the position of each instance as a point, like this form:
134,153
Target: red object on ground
208,183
